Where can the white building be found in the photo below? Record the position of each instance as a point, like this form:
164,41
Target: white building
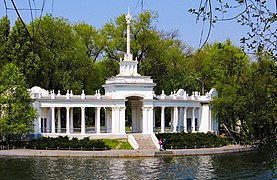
188,113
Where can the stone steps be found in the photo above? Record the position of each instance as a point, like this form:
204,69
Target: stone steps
145,142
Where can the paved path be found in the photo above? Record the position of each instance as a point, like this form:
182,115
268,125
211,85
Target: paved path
125,153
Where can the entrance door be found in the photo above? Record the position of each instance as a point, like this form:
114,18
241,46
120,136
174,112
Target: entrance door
134,114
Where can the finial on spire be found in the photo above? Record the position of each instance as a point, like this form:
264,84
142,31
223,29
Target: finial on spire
128,17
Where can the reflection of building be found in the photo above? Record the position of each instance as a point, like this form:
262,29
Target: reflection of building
104,115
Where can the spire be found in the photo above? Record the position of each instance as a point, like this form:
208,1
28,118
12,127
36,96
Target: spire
128,22
128,67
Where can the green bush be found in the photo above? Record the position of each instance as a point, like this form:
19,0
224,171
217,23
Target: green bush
65,143
191,140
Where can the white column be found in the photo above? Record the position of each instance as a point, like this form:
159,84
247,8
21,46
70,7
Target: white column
67,120
210,120
118,120
83,123
144,120
180,118
193,119
122,120
39,121
114,130
53,120
109,120
175,119
71,120
185,119
162,119
106,119
150,120
97,120
59,120
115,120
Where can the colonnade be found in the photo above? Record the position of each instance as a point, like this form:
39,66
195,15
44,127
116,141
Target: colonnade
182,119
179,119
45,124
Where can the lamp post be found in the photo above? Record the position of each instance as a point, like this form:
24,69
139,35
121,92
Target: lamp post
202,84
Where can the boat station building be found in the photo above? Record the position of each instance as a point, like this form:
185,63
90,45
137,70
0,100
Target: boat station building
104,116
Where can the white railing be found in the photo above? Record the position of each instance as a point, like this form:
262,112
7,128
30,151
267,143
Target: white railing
133,141
155,141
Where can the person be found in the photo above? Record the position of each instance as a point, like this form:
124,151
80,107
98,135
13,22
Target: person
164,144
161,144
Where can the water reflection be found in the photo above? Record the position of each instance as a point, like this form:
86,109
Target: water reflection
232,166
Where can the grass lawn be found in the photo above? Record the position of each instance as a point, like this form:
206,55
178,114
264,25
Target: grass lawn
119,144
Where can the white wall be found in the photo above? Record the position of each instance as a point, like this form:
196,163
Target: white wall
205,120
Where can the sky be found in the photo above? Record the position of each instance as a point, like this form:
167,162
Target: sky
173,15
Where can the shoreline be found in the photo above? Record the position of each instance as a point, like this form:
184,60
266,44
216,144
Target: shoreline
126,153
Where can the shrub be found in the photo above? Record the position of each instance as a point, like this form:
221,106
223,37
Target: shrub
65,143
191,140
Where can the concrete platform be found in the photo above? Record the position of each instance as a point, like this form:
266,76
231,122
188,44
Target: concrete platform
164,153
125,153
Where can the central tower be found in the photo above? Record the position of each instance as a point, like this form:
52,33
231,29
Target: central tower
129,82
130,86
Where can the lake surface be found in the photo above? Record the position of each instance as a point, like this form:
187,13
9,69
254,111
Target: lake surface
227,166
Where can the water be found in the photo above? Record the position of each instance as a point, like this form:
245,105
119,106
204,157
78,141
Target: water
228,166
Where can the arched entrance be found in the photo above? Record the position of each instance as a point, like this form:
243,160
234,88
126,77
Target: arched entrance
134,114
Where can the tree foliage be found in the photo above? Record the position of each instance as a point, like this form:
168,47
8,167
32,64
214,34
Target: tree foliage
247,91
4,34
16,115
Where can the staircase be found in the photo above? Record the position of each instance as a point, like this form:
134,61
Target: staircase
144,141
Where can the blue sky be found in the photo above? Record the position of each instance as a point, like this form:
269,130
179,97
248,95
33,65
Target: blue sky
173,15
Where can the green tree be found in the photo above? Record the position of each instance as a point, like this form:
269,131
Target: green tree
221,66
91,38
64,64
4,34
260,91
247,90
21,52
15,103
